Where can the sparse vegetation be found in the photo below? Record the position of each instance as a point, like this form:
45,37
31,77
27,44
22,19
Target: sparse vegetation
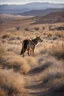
50,27
2,50
59,28
42,74
26,29
17,28
43,28
18,64
36,28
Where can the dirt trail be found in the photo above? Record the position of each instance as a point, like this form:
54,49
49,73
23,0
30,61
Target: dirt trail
35,85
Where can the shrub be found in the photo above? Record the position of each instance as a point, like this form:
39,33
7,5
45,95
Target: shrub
57,50
7,35
59,28
36,28
18,64
11,82
17,28
43,28
26,29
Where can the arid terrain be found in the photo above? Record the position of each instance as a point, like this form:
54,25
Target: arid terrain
38,75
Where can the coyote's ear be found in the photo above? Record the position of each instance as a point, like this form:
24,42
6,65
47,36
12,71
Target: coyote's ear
37,36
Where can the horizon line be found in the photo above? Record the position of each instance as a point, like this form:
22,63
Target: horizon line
29,3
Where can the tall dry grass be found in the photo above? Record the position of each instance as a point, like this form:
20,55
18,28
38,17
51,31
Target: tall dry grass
2,50
31,61
11,82
17,63
55,49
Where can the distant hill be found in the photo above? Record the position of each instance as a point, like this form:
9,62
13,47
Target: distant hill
13,9
42,12
54,17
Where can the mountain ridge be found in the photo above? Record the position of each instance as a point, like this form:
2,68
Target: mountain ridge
42,12
5,8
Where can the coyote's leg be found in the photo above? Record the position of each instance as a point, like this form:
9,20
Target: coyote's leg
28,52
33,51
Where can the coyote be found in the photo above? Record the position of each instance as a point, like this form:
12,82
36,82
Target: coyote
29,45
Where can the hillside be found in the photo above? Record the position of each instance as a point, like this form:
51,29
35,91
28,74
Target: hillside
41,12
53,17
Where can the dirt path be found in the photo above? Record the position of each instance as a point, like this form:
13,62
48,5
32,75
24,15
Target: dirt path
35,85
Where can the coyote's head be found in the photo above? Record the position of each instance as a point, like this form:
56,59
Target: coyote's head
39,39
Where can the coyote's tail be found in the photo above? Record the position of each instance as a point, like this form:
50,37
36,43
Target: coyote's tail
24,47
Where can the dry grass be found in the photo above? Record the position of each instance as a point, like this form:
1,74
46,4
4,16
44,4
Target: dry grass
57,50
60,34
9,82
3,52
31,61
7,35
17,63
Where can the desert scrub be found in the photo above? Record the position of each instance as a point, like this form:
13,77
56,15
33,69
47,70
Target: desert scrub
31,61
57,50
60,34
26,29
36,28
43,28
17,28
9,83
17,63
10,36
2,49
7,35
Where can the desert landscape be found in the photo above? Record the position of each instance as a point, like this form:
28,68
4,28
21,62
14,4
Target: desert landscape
38,75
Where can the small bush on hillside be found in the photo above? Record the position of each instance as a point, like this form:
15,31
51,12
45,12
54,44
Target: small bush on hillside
59,28
7,36
17,28
36,28
26,29
43,28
